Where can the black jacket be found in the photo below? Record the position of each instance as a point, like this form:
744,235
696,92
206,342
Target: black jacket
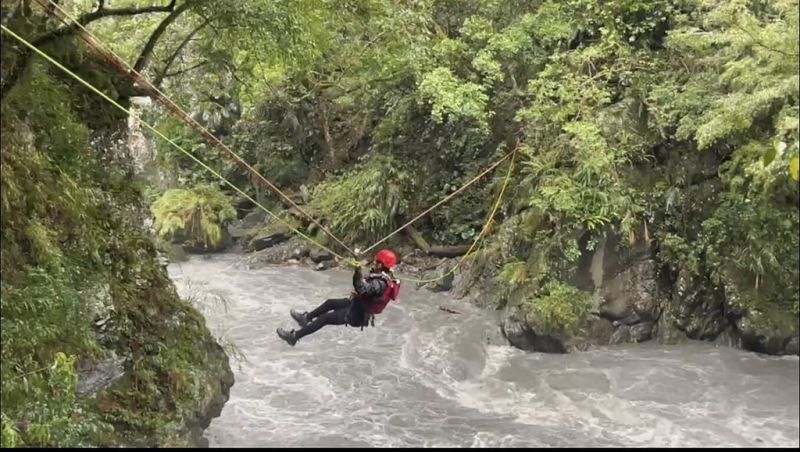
370,289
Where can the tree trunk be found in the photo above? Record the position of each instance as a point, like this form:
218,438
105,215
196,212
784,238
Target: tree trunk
448,251
417,238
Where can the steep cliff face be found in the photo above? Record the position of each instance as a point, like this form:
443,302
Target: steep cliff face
97,347
636,297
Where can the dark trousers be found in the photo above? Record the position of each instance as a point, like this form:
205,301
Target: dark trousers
335,311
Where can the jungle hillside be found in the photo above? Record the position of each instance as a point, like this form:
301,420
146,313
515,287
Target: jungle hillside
654,191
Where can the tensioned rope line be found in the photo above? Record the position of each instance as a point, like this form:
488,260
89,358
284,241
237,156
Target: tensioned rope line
167,103
170,141
447,198
160,96
485,229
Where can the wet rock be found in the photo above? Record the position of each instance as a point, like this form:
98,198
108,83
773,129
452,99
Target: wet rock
267,241
597,332
792,346
641,332
318,256
622,334
518,332
698,308
294,248
299,252
325,265
253,219
631,291
94,377
729,338
521,334
442,284
772,340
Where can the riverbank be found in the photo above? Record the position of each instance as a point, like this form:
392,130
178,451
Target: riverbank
427,378
632,301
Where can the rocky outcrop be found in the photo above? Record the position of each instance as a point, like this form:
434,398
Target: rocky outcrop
259,243
637,299
294,250
317,256
523,332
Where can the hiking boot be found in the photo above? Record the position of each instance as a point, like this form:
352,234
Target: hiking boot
287,336
300,317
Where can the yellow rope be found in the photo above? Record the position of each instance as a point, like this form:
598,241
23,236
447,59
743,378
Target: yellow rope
485,229
99,46
170,141
446,198
95,43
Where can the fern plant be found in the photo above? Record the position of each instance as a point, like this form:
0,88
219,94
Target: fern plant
196,214
363,204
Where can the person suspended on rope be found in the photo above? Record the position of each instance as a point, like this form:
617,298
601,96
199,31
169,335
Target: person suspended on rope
371,295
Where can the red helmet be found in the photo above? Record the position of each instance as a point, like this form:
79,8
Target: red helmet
386,258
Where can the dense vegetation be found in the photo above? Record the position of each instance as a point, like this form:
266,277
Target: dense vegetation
668,122
80,280
673,122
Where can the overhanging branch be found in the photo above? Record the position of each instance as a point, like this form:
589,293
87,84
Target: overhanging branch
99,13
171,59
147,51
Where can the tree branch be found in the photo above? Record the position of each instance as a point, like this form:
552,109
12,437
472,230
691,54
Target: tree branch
759,43
147,51
100,13
19,66
171,59
182,71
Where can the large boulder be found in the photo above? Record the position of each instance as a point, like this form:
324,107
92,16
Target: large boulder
293,249
772,340
521,334
524,332
633,292
260,242
699,308
443,276
318,255
625,281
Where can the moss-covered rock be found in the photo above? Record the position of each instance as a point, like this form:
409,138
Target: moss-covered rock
556,321
98,349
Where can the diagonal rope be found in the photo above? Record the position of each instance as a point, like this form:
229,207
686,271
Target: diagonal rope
489,221
447,198
167,103
170,141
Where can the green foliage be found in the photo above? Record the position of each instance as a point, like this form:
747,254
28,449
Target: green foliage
363,205
68,209
50,420
558,309
197,214
514,274
447,95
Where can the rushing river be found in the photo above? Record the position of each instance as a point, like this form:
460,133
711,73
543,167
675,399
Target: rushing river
425,378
